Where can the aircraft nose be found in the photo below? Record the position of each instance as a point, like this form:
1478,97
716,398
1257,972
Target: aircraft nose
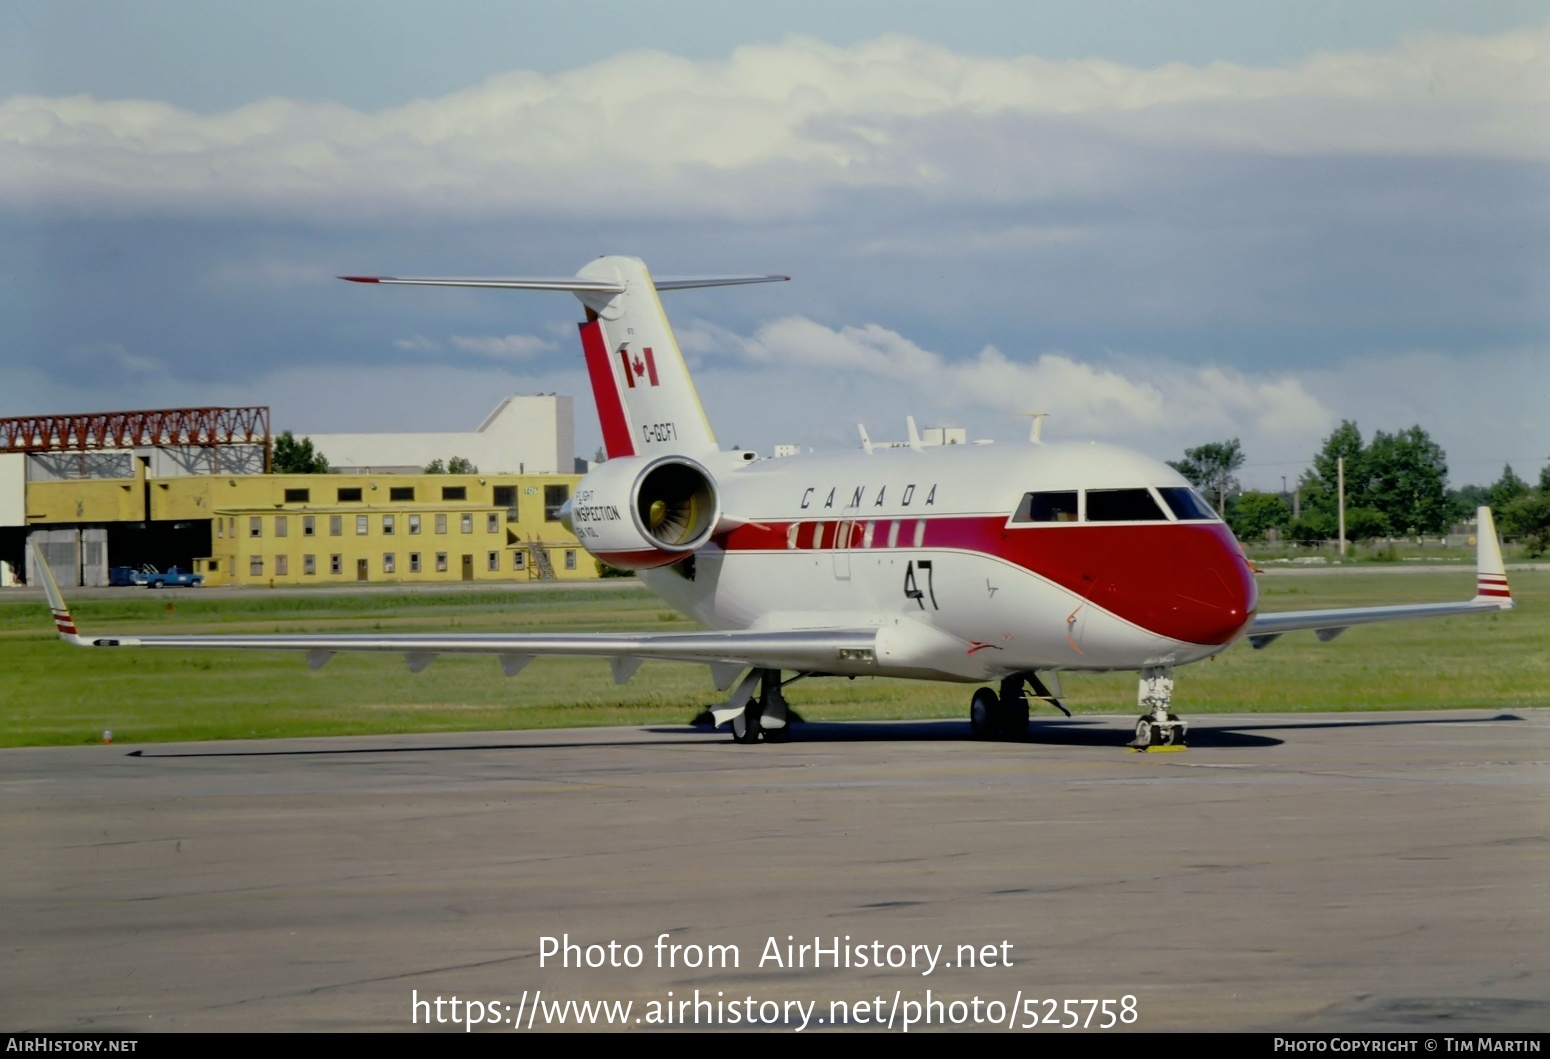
1189,583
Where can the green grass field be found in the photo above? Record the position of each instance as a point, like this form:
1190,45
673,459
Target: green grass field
53,694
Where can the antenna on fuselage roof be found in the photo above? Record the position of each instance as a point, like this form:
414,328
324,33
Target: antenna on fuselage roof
1036,428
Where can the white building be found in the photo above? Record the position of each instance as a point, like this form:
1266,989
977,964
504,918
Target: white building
523,435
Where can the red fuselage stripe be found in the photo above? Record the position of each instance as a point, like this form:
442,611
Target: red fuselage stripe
1185,581
605,391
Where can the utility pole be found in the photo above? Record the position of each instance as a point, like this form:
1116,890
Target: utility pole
1340,472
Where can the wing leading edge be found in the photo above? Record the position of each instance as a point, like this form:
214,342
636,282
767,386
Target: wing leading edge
1491,594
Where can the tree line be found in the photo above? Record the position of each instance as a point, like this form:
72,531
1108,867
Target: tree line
1396,485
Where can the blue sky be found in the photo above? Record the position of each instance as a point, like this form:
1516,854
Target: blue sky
1163,224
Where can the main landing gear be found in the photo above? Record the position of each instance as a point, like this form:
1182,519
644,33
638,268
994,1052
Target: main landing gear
1004,715
766,714
1156,726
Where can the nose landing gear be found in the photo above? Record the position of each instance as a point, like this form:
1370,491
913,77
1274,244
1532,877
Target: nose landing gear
1156,727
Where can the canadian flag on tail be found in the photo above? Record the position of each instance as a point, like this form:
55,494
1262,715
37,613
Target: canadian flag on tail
641,366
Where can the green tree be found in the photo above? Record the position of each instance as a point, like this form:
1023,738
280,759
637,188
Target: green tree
436,467
1210,468
1528,519
1396,484
1407,482
1507,489
297,457
458,465
1255,513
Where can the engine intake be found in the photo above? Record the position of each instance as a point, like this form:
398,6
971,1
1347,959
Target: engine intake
638,513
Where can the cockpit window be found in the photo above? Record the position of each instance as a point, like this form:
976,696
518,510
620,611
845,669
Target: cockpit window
1186,503
1122,505
1047,507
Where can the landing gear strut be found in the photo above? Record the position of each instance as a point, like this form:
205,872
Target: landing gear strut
1156,726
766,715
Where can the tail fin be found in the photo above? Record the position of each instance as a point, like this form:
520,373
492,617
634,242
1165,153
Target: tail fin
63,622
1490,571
646,401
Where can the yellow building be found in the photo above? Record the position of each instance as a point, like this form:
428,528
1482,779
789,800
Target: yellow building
296,529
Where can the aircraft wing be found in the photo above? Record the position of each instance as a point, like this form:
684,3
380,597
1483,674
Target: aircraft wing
728,654
1491,594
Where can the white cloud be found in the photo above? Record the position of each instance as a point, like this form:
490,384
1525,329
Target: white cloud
502,347
767,130
417,344
1130,399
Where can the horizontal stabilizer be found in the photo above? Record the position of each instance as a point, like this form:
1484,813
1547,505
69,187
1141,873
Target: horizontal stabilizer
575,284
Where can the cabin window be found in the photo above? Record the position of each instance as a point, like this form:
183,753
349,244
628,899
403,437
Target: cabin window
1123,505
1047,507
1186,503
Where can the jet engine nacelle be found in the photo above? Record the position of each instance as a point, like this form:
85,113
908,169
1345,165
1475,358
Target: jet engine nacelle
639,512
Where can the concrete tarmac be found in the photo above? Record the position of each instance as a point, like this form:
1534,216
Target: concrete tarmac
1310,872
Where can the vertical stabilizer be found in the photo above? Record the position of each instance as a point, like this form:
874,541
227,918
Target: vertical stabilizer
645,399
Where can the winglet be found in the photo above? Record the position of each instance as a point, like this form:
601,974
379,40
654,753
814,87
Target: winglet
62,619
1491,573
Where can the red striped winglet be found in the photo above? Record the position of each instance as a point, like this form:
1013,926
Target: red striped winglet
64,623
1493,585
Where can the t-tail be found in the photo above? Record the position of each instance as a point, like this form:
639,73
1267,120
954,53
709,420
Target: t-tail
646,402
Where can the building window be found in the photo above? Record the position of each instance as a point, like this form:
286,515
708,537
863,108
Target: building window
282,526
214,566
414,524
220,527
441,523
493,561
256,565
492,523
298,496
401,492
468,523
519,560
309,526
506,497
335,525
389,563
414,562
336,564
570,558
387,525
282,565
255,527
441,562
350,496
309,564
361,528
454,492
554,497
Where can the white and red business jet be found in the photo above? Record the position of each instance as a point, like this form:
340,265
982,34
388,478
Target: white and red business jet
1003,564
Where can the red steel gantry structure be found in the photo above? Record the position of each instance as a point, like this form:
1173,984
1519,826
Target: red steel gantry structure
164,428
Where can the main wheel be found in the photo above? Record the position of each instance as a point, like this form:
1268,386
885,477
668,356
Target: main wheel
984,714
745,726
